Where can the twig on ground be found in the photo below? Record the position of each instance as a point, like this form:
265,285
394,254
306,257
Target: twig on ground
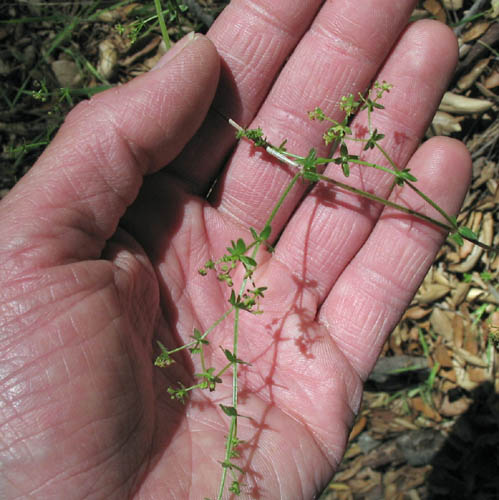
475,8
198,12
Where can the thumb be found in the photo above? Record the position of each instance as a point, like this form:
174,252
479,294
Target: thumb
71,201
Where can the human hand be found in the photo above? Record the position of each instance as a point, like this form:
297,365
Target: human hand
84,297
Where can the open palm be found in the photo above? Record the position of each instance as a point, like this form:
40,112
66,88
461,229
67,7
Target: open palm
99,263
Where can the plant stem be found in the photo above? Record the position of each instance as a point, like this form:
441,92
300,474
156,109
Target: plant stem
282,198
229,446
387,156
206,333
162,24
387,203
232,436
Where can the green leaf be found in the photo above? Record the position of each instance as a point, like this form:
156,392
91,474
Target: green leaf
238,248
248,262
265,234
311,176
457,238
198,336
405,174
346,169
309,162
466,232
229,410
241,246
229,355
232,359
375,137
348,104
227,464
282,146
255,135
235,488
486,276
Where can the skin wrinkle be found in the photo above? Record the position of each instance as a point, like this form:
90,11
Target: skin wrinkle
65,474
351,51
343,23
233,205
266,465
46,318
288,409
363,301
18,421
277,23
112,451
114,134
261,49
342,231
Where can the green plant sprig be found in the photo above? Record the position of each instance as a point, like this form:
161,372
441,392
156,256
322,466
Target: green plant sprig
243,254
338,134
162,24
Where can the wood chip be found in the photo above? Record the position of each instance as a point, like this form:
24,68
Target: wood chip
454,408
492,81
454,103
466,81
67,73
445,124
458,330
448,375
117,14
108,59
358,427
436,9
353,469
148,48
487,172
442,356
462,376
479,375
418,404
458,294
468,357
453,4
431,293
476,31
416,312
441,322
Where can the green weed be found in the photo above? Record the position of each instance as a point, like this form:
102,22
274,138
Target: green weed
241,253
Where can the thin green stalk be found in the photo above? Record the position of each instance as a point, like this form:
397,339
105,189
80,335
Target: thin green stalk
387,156
282,198
161,19
374,165
229,446
206,333
440,210
385,202
232,436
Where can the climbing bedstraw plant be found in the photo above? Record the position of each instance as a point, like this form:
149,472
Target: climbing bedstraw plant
247,298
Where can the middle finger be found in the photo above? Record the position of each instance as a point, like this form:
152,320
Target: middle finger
341,53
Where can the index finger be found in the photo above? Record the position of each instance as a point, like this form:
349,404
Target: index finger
253,39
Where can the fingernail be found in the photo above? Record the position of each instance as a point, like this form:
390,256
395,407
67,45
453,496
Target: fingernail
175,50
